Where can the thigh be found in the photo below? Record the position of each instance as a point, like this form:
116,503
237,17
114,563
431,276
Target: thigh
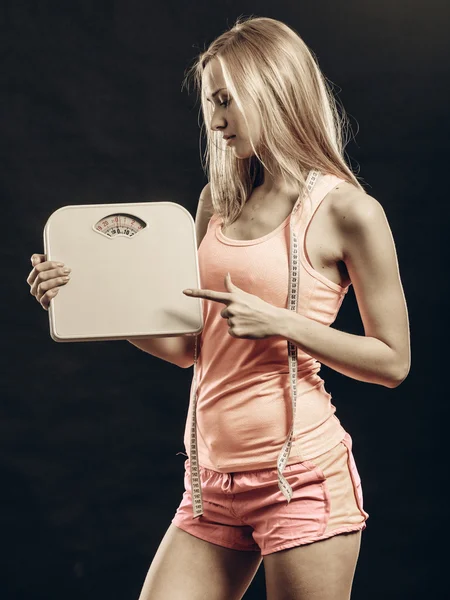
326,501
188,568
345,506
322,570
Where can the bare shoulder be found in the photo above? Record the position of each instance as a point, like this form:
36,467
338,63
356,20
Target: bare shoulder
354,211
205,196
204,213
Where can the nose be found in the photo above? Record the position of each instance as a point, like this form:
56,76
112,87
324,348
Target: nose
217,122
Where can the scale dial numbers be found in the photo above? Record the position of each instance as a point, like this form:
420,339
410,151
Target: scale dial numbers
119,225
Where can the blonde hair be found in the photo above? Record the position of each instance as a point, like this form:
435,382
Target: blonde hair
266,64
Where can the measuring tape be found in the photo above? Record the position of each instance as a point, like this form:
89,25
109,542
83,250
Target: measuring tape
283,485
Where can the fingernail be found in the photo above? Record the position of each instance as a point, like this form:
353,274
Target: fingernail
187,291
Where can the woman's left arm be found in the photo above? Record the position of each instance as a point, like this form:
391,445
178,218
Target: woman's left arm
383,354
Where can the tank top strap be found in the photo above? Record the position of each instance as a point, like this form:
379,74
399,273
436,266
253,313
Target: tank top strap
311,202
212,221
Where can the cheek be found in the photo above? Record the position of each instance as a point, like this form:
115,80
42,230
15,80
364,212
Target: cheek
254,129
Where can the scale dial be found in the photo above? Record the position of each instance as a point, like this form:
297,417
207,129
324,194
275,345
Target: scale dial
119,225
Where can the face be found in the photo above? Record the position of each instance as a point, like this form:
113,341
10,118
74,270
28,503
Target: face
226,117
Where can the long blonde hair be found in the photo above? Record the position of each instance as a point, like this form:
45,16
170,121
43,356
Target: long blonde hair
266,64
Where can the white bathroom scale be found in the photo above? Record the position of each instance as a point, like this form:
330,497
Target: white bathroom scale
130,263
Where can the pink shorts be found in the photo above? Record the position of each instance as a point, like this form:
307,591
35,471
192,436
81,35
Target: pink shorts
247,511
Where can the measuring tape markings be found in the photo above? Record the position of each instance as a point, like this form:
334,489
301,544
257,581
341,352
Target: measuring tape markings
283,485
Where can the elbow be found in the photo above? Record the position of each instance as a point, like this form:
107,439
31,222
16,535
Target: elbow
399,377
185,362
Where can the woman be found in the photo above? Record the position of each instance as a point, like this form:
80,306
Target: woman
269,465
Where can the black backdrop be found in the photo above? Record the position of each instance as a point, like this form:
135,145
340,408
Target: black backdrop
92,112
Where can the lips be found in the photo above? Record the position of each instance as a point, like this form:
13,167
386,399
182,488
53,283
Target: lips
227,137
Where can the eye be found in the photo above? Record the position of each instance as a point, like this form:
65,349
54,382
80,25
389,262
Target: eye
224,103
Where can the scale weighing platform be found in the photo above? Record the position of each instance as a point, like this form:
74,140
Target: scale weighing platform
130,263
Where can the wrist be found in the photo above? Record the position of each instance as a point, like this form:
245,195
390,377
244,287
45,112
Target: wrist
280,322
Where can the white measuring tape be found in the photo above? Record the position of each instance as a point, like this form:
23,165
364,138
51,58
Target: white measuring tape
283,485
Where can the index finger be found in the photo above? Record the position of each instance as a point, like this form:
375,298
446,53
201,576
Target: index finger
41,265
37,258
210,295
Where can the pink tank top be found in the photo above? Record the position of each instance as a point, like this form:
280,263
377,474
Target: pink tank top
244,410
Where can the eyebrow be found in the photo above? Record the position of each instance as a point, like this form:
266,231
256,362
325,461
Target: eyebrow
216,92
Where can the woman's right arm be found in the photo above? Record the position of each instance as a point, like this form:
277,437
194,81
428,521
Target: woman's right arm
173,349
179,350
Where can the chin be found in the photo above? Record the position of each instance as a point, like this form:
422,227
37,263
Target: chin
243,154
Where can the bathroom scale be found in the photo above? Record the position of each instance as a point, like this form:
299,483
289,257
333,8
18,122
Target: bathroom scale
130,263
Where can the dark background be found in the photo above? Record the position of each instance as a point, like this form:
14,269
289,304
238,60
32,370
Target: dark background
92,112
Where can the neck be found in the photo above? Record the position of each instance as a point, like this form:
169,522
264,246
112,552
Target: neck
277,186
